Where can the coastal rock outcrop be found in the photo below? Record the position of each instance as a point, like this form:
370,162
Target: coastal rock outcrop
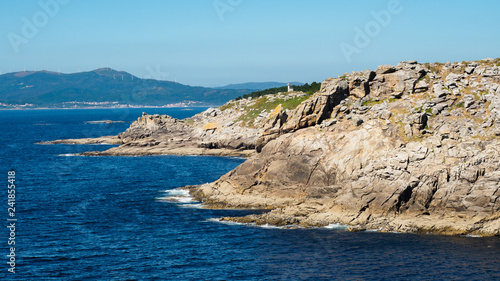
153,126
411,148
366,177
202,135
416,152
234,129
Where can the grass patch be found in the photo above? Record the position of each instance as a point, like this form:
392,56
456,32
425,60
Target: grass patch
248,118
467,91
375,102
372,102
399,110
460,69
293,103
227,106
402,133
446,89
477,96
435,67
263,103
188,121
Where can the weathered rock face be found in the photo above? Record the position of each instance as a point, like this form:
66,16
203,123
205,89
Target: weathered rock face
153,126
331,95
426,162
273,128
318,108
212,132
385,82
393,82
221,131
366,177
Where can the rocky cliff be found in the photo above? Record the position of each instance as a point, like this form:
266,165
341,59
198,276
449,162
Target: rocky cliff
233,129
411,148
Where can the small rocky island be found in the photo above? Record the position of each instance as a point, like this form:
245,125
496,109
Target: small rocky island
408,148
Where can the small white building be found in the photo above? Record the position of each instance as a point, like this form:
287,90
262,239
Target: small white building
290,88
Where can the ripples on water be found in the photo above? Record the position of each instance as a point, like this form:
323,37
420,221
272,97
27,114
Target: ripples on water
113,218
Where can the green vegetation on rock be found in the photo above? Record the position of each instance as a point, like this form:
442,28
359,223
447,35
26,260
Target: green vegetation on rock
306,88
265,104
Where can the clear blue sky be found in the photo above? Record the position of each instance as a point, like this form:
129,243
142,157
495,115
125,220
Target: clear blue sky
242,40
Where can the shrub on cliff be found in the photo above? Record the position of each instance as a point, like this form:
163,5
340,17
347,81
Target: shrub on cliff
306,88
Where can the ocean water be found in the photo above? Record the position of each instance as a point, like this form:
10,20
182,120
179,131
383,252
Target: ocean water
119,218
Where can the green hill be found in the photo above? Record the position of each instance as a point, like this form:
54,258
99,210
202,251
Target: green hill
105,85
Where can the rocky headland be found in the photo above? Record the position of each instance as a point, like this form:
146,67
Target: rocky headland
410,148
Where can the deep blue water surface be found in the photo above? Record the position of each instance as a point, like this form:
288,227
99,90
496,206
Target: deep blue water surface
102,218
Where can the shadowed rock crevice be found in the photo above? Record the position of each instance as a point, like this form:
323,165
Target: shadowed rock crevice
403,198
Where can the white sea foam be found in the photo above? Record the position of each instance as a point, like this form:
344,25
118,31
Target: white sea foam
179,196
234,157
225,222
267,226
176,199
68,155
177,192
213,220
336,226
182,199
270,226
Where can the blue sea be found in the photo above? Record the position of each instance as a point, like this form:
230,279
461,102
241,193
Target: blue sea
113,218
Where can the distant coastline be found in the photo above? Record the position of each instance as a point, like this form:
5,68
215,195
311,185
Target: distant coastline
109,107
108,88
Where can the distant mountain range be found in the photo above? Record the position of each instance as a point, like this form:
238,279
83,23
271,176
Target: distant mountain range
258,85
104,87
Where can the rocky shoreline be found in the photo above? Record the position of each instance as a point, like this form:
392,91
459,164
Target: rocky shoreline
100,140
408,148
